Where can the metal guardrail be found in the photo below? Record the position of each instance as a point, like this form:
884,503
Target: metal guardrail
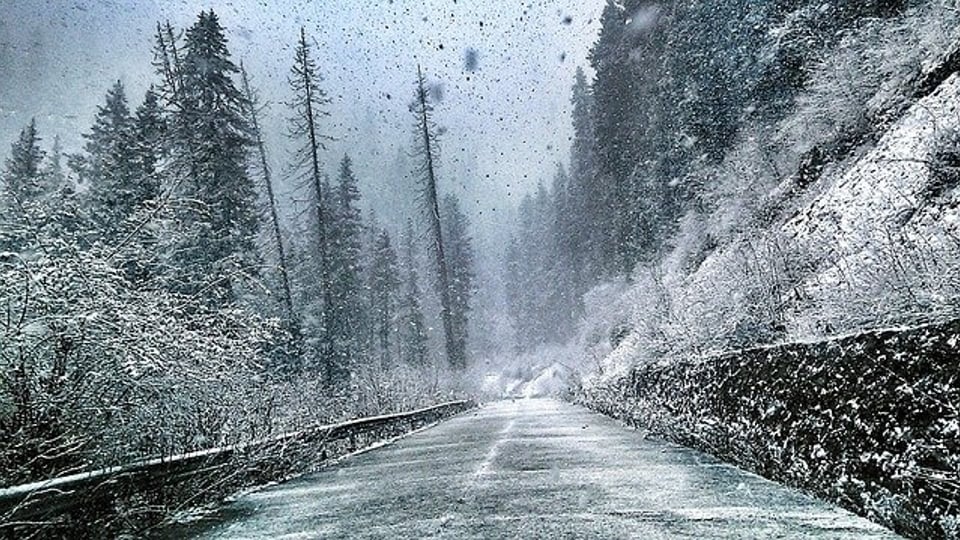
85,495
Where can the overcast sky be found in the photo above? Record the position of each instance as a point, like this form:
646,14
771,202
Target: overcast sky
507,123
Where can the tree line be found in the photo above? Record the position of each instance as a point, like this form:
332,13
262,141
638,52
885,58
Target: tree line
674,84
151,280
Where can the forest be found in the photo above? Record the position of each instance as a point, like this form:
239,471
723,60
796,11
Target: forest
738,174
154,302
705,208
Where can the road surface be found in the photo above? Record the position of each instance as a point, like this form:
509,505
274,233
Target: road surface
531,469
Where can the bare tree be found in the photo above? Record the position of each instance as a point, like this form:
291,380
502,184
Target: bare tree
308,106
253,104
427,151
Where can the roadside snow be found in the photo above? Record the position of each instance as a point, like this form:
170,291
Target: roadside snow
871,198
550,382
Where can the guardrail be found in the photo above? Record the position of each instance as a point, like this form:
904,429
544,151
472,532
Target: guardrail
142,493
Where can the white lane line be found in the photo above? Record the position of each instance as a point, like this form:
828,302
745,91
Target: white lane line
481,471
491,456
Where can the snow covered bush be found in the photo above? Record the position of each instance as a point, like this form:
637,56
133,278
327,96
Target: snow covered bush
99,363
908,279
384,389
867,76
95,372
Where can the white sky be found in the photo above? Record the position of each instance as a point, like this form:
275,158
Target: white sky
507,123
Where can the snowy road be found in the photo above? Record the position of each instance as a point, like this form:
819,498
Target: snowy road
531,469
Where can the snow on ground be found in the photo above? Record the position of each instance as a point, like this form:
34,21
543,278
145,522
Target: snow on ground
870,198
552,381
531,468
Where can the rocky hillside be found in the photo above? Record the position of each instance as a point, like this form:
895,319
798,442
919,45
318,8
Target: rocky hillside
753,334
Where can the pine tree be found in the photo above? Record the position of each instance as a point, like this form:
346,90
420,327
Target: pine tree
308,107
614,92
540,305
117,185
55,169
413,332
22,183
513,286
36,203
428,151
111,128
384,295
22,177
167,63
460,259
536,276
346,269
218,238
150,131
586,215
565,262
71,218
135,195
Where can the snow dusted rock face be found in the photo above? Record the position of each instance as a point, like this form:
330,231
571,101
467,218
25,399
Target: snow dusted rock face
883,231
882,191
868,421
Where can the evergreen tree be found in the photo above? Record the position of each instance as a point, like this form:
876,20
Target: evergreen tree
513,287
111,130
167,63
583,157
346,268
308,107
565,285
585,216
22,177
134,197
614,92
55,168
539,249
35,202
413,331
217,238
384,295
22,184
460,261
150,130
110,168
539,281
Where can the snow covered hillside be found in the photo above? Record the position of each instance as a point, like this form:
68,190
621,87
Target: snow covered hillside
815,225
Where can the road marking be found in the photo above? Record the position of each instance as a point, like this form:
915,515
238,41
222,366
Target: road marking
484,469
491,456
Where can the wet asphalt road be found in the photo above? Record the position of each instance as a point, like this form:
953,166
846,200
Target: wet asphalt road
531,469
